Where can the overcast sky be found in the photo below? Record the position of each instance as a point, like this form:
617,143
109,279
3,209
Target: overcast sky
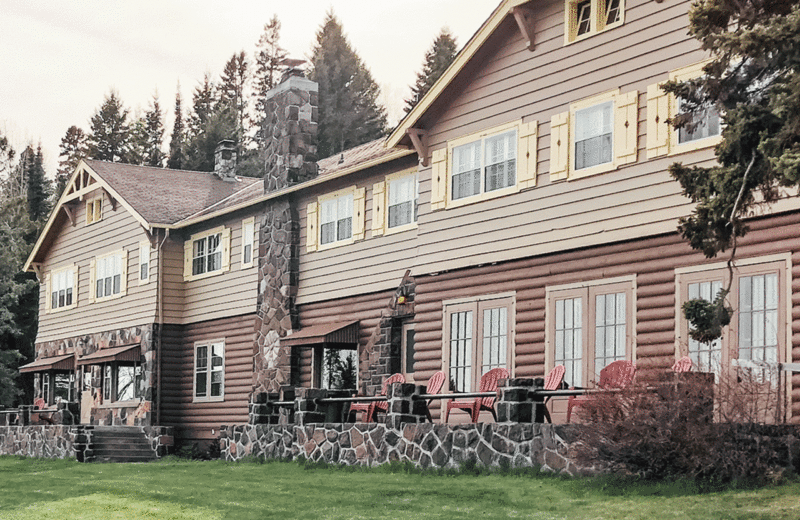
60,58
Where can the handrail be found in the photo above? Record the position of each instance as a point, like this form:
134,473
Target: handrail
367,399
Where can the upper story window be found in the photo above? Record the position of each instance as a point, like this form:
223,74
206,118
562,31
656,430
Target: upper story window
109,275
209,371
94,210
335,219
248,234
144,262
705,125
495,162
403,197
62,291
594,135
207,253
586,17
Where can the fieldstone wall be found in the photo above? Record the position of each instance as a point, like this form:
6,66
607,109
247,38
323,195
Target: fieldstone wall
89,387
52,442
424,445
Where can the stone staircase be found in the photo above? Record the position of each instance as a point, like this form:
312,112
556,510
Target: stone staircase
120,444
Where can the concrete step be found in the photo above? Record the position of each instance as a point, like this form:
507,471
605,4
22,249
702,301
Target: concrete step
121,444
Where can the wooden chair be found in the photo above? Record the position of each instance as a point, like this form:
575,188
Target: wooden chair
552,381
39,404
684,364
435,384
369,409
474,406
618,374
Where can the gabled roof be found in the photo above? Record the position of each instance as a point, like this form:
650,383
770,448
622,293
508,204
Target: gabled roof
506,7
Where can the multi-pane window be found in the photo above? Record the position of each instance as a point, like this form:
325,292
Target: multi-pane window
108,275
590,328
209,371
338,368
248,232
705,356
336,219
107,381
407,349
758,317
706,124
62,288
485,165
207,254
64,386
585,17
594,135
403,198
613,11
479,338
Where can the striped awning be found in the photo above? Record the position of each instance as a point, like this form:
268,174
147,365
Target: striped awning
104,355
332,335
66,362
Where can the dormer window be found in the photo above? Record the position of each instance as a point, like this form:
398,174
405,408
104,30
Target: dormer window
94,210
583,18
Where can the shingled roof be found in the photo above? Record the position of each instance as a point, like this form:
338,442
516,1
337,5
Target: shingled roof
360,154
163,196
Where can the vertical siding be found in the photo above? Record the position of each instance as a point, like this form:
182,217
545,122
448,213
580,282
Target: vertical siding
79,244
196,420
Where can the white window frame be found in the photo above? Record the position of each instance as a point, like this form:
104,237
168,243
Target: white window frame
94,209
676,146
479,140
101,262
225,253
336,199
597,20
54,280
248,239
144,262
394,180
589,291
575,110
477,306
208,371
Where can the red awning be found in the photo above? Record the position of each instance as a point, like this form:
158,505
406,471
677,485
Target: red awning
340,334
66,362
104,355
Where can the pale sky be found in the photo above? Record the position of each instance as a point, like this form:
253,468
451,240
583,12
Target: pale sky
60,58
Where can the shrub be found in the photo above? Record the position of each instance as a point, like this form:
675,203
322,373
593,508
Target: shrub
690,427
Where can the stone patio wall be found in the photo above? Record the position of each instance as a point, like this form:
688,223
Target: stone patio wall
51,442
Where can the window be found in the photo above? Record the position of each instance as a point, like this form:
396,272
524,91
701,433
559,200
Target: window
46,387
248,233
407,350
107,379
587,17
485,165
335,368
479,336
339,217
207,253
590,325
597,135
209,371
122,381
64,386
144,262
109,275
94,210
62,289
662,139
759,298
403,197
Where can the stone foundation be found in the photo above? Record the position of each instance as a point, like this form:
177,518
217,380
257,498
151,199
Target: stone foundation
424,445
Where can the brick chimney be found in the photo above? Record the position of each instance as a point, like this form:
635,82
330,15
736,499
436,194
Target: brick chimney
225,160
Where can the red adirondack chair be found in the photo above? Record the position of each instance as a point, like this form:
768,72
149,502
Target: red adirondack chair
369,409
618,374
474,406
552,381
684,364
435,384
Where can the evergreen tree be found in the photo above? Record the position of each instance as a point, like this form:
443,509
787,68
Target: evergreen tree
437,59
137,141
38,185
71,150
232,92
210,123
7,155
269,55
204,99
176,142
109,131
349,113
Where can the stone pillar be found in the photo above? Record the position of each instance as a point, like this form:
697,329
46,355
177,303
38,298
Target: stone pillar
306,411
403,407
515,404
290,131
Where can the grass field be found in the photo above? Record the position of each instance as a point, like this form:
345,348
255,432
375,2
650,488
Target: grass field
178,489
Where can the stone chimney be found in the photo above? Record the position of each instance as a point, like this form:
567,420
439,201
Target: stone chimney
290,130
225,160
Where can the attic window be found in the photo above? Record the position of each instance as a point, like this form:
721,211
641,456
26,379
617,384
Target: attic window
584,18
94,210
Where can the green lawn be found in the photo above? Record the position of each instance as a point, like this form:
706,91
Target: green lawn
176,489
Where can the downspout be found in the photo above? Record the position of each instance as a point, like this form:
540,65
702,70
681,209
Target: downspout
160,322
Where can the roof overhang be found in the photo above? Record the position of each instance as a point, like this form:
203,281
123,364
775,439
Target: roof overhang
401,135
66,362
331,335
130,353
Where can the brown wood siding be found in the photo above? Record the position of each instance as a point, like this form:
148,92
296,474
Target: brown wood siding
366,308
652,260
79,244
197,420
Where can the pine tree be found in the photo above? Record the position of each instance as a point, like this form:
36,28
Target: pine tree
232,92
71,150
109,132
154,127
349,113
176,143
269,55
7,155
204,99
437,59
38,186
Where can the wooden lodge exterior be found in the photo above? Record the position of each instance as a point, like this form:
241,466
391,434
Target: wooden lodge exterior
521,216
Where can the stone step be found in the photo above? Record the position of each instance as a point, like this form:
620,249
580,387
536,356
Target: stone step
121,444
125,458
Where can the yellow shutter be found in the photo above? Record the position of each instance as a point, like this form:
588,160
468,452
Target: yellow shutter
92,279
123,285
98,210
559,146
378,208
657,128
438,179
187,259
359,199
226,249
89,211
526,154
47,292
311,227
626,125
